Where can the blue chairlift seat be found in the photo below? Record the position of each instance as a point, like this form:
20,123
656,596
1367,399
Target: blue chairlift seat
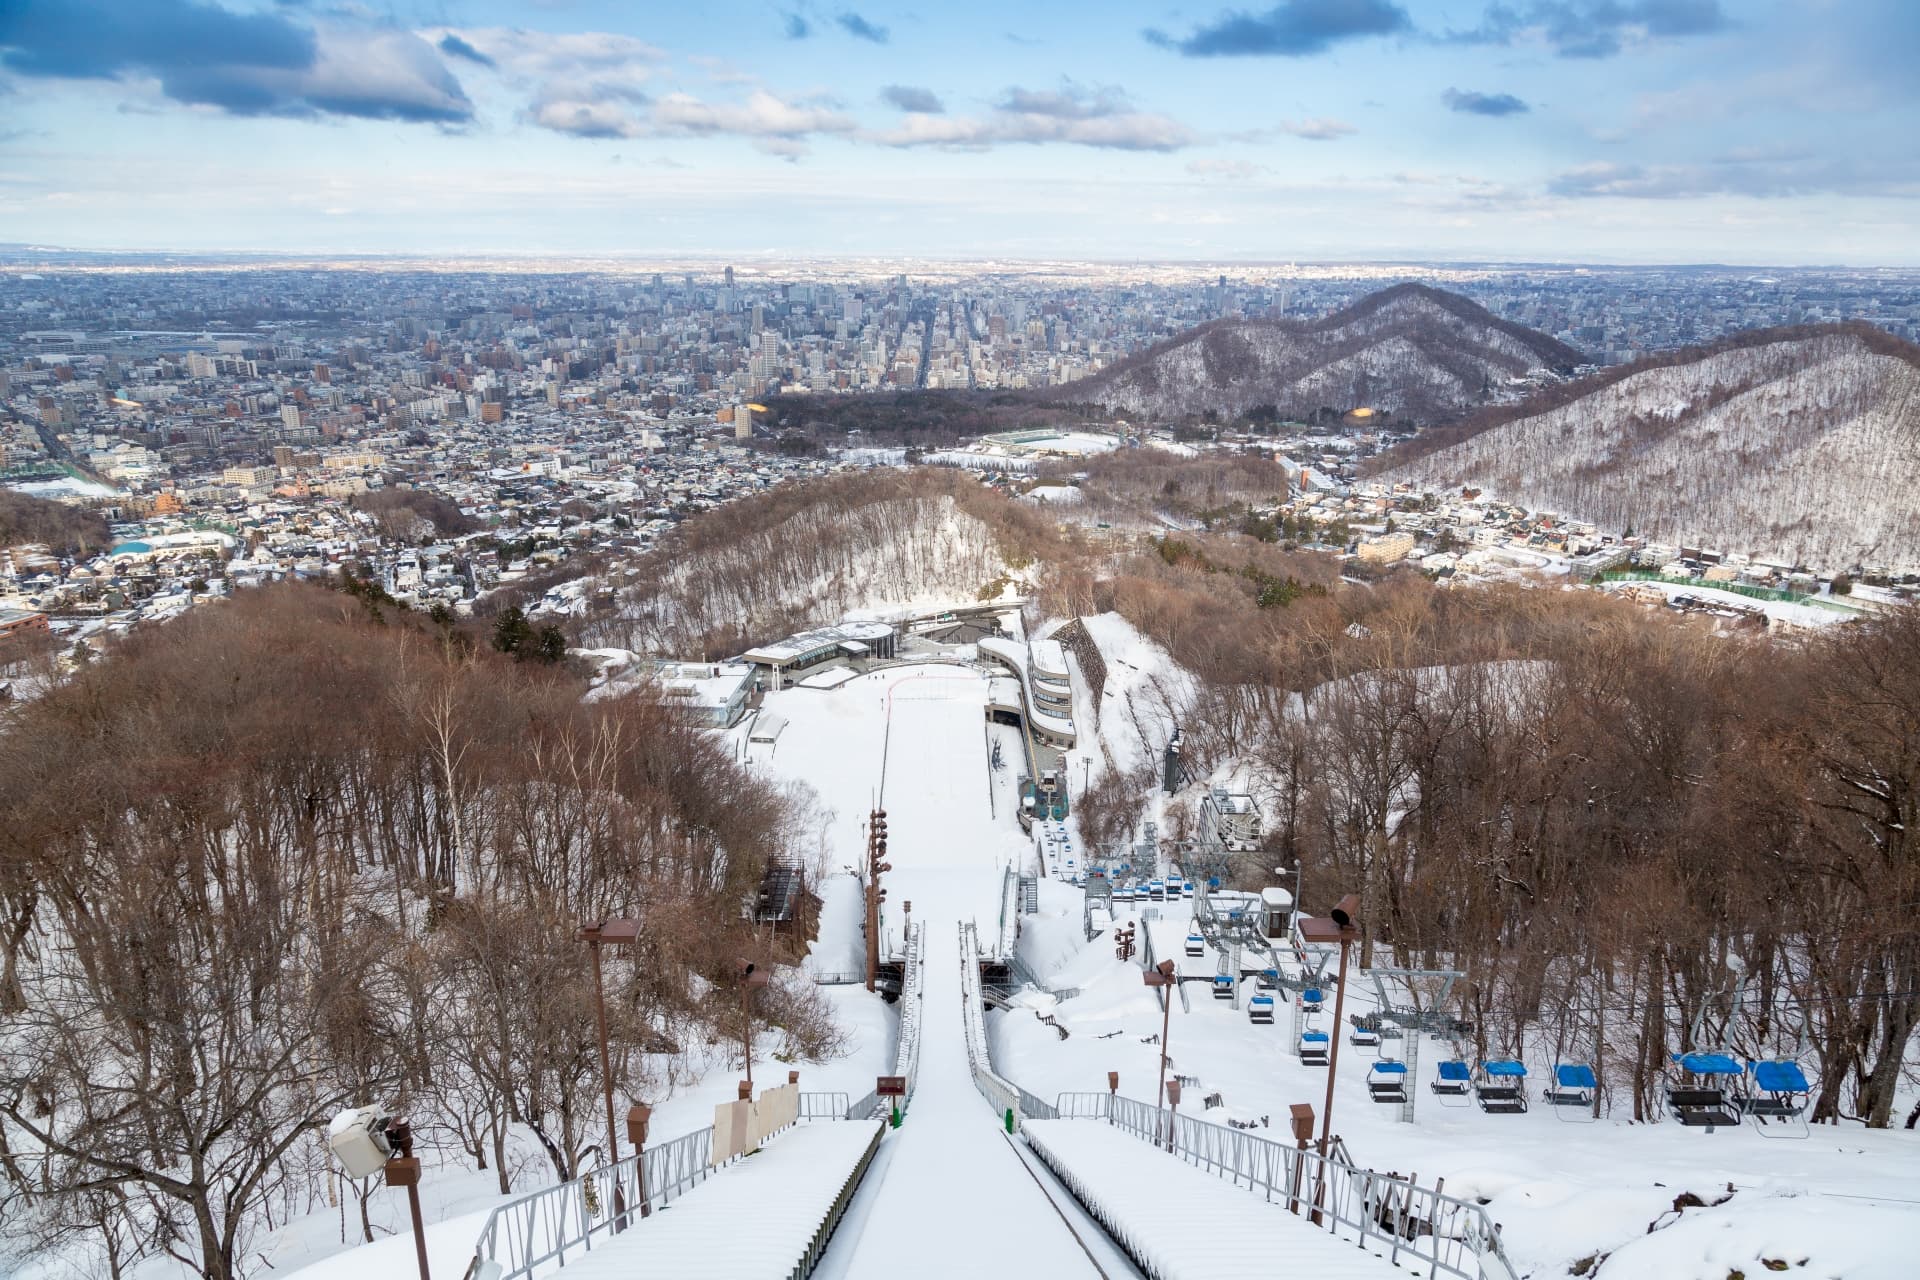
1222,987
1781,1097
1269,979
1707,1095
1387,1081
1260,1009
1572,1091
1196,945
1500,1087
1315,1046
1311,1000
1451,1080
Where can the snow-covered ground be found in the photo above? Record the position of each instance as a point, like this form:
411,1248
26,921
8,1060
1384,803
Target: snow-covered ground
1793,611
1562,1190
946,1195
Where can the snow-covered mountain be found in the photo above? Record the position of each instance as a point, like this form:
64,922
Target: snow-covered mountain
1801,445
1412,350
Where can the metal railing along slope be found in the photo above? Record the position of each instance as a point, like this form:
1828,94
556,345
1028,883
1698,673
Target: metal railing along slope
1414,1226
547,1229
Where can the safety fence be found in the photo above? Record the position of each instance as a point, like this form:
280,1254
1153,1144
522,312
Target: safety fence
913,984
1001,1092
547,1229
824,1106
561,1224
1417,1227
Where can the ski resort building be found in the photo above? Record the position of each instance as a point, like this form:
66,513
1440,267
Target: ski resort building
712,694
779,662
1048,688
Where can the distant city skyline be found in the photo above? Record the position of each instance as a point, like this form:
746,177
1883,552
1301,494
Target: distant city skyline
1626,131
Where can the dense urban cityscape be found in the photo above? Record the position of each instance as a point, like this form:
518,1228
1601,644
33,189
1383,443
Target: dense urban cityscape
232,422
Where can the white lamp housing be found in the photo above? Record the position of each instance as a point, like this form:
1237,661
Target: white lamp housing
358,1138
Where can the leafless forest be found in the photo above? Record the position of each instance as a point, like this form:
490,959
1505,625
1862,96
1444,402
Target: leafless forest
282,856
802,555
1585,807
1794,445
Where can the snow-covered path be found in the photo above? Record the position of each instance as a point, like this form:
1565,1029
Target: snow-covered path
946,1196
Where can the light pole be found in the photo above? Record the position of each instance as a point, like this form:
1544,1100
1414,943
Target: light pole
751,978
876,865
1161,976
613,933
1339,927
368,1141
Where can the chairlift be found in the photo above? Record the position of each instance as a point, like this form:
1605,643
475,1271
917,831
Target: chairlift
1315,1048
1222,987
1500,1086
1260,1009
1269,979
1366,1031
1572,1092
1196,945
1387,1080
1312,1000
1704,1091
1451,1080
1780,1100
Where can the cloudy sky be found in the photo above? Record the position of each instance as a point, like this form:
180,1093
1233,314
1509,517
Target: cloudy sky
1750,131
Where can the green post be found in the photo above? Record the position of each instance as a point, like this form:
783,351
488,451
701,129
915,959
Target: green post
1009,1119
896,1115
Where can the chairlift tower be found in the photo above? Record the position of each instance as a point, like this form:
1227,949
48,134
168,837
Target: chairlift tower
1413,1023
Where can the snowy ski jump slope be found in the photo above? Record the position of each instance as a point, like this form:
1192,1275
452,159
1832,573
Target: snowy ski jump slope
946,1196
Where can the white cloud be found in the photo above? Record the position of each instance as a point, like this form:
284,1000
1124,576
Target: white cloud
1322,129
774,124
1101,117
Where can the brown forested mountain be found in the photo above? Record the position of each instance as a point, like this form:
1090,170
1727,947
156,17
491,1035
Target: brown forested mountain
24,518
1798,444
1413,350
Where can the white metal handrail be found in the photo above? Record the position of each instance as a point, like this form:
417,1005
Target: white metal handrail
1001,1092
913,984
1439,1233
823,1106
558,1224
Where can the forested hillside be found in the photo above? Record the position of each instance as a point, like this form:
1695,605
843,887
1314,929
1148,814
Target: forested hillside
280,856
67,530
1411,350
803,555
1584,806
1799,445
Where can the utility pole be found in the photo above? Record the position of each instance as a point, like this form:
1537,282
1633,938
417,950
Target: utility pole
876,865
1339,926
